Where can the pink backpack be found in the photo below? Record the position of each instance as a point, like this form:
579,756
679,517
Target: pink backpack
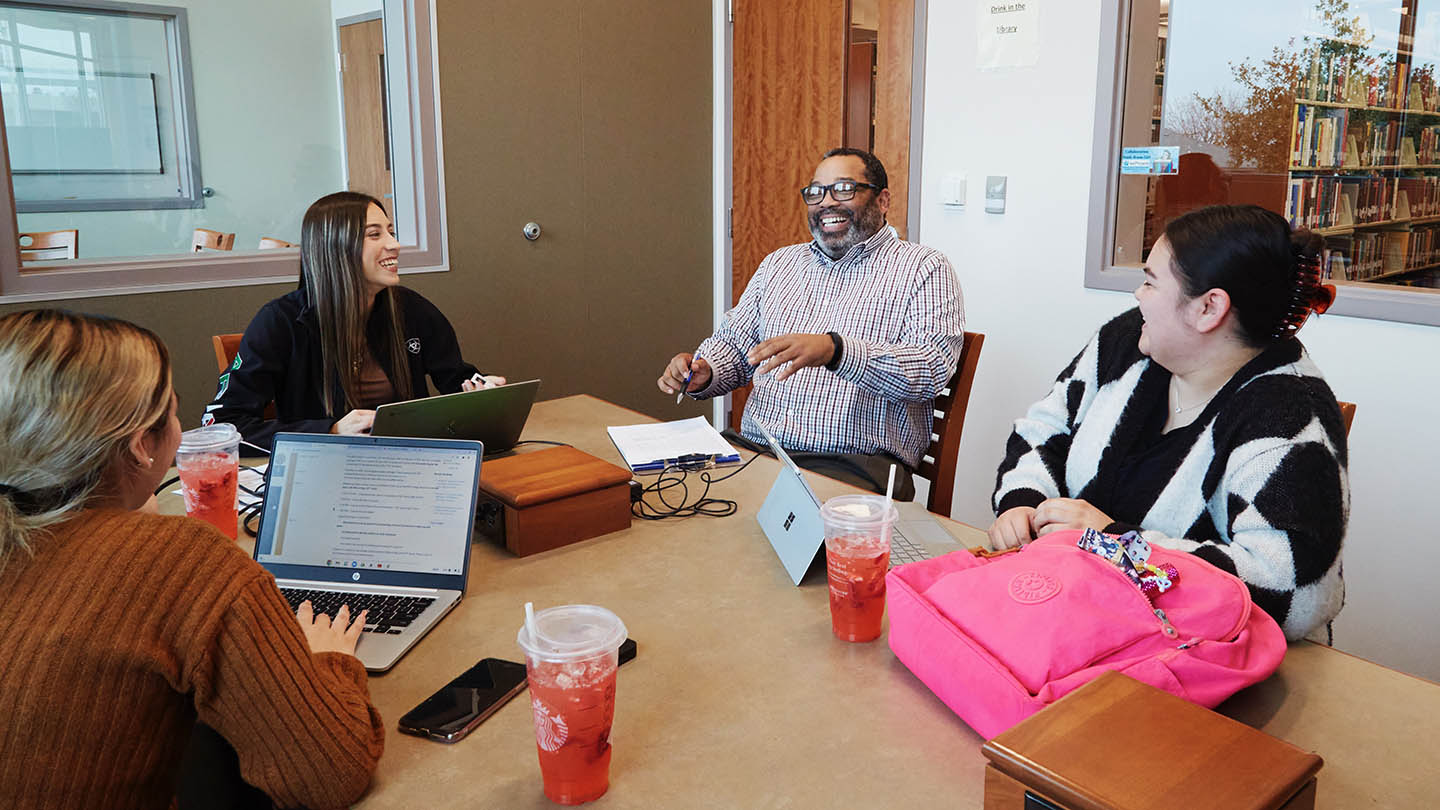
1000,638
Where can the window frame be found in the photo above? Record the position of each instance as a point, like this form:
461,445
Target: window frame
428,253
1357,299
187,144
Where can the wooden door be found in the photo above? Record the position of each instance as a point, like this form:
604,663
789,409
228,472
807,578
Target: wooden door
362,79
591,118
789,108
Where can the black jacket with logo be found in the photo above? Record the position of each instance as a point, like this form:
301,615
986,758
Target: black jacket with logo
279,361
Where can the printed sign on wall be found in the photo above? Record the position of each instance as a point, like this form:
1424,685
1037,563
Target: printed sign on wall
1008,34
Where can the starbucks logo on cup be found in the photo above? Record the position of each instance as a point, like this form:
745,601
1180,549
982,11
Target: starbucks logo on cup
550,729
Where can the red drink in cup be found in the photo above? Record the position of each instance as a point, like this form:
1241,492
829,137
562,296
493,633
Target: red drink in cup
208,460
857,557
571,654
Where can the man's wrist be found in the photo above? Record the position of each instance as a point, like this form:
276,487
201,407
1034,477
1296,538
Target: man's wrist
839,351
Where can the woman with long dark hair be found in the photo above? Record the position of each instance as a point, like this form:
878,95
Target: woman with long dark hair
1199,419
348,340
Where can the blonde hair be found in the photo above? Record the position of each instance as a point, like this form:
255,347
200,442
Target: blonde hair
76,388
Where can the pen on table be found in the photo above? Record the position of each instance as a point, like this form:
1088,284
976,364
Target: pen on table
688,374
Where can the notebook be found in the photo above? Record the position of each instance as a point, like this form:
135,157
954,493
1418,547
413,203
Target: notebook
790,518
373,522
650,448
494,416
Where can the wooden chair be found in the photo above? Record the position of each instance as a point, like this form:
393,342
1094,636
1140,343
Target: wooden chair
226,346
938,463
206,239
48,245
1347,413
271,243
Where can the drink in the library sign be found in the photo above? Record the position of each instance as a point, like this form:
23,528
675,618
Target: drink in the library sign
571,656
857,557
208,460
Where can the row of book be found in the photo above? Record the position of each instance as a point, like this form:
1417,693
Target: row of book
1353,258
1318,202
1323,137
1422,195
1366,255
1352,79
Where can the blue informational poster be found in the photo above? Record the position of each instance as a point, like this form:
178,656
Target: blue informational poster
1151,160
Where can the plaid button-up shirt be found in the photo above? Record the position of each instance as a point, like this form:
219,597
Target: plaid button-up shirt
897,307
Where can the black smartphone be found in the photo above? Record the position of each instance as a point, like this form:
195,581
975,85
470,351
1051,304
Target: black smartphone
455,710
461,705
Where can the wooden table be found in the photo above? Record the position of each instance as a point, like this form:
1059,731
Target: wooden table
741,697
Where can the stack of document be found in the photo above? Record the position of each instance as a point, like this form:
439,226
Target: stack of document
651,448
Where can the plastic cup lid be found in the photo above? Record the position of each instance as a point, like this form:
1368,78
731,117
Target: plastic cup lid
218,436
859,510
572,632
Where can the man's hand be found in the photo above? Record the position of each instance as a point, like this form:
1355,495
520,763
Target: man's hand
681,364
800,351
1012,529
1055,514
354,423
324,635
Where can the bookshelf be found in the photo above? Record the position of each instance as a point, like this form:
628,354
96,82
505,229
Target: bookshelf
1364,165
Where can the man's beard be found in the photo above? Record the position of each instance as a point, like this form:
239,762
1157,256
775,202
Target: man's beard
863,225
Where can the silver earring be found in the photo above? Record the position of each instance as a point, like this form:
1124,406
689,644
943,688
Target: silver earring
150,461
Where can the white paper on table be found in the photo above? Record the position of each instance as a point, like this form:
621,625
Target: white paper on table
643,445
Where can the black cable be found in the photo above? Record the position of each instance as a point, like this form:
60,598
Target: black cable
674,476
542,441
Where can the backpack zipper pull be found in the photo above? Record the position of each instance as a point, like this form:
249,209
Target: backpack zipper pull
1165,623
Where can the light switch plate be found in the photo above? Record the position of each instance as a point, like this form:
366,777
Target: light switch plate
995,194
952,190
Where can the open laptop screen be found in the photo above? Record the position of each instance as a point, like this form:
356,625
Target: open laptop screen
368,504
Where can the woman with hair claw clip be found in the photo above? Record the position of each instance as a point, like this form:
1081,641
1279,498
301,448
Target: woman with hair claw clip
1199,420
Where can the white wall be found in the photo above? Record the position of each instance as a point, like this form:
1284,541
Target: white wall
1023,272
266,108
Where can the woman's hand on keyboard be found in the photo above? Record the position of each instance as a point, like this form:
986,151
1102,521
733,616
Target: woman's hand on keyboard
324,635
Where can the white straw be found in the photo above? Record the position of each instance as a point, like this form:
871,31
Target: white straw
530,620
890,489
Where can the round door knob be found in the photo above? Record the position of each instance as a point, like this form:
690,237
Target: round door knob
532,231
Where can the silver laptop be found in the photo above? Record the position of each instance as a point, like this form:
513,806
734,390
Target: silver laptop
495,416
377,523
790,518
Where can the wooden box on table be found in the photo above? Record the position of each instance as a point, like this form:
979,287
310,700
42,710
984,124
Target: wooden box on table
1118,744
533,502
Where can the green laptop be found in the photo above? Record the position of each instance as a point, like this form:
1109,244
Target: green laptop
494,416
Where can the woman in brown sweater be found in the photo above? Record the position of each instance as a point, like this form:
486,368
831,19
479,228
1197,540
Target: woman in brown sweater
122,627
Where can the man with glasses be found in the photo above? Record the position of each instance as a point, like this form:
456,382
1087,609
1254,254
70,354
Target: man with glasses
848,338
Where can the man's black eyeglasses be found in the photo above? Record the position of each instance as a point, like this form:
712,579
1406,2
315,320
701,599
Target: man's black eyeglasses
840,191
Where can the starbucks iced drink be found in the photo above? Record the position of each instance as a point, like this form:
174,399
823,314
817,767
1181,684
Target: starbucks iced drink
571,655
857,557
208,460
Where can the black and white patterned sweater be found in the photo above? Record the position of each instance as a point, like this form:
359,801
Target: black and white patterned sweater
1260,490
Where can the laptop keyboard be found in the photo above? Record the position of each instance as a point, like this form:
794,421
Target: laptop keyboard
904,550
389,614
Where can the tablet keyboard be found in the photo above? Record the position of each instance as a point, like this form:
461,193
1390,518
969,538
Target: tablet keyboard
904,550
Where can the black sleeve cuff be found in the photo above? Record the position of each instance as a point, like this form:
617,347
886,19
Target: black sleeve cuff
839,351
1020,497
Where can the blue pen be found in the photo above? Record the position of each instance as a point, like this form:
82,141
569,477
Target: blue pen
688,374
